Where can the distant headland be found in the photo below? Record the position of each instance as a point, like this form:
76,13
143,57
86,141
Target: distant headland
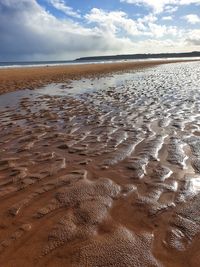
140,56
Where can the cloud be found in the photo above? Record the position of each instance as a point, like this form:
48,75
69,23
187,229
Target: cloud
112,22
192,18
193,38
117,22
159,5
156,30
170,9
161,46
29,32
167,18
60,5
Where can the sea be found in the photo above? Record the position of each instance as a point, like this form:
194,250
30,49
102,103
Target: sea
21,64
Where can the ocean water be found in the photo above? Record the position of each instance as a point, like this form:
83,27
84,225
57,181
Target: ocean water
16,64
50,63
20,64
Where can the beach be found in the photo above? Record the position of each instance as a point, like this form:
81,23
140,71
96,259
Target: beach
12,79
100,165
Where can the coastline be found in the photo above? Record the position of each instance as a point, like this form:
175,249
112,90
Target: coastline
13,79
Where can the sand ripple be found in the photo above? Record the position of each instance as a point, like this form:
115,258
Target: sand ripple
106,173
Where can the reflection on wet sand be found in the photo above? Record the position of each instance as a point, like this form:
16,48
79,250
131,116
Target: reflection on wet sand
103,172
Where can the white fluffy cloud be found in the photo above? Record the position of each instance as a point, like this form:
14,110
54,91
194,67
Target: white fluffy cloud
112,22
167,18
116,22
159,5
192,18
61,5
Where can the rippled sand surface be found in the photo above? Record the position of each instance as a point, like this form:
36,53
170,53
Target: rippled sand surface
103,172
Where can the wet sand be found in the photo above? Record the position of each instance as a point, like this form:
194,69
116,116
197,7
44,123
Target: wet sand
103,171
12,79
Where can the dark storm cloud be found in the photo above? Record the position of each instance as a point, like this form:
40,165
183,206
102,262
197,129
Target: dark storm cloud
195,42
28,31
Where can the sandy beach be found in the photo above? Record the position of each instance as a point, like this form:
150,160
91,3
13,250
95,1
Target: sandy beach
103,169
12,79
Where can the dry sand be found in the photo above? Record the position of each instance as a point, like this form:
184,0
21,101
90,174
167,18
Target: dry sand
12,79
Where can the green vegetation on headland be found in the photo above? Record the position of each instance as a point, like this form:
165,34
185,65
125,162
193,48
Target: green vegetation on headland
140,56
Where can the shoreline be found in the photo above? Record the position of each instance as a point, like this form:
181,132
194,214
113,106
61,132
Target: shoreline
13,79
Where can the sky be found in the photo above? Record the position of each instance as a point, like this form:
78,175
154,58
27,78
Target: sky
68,29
